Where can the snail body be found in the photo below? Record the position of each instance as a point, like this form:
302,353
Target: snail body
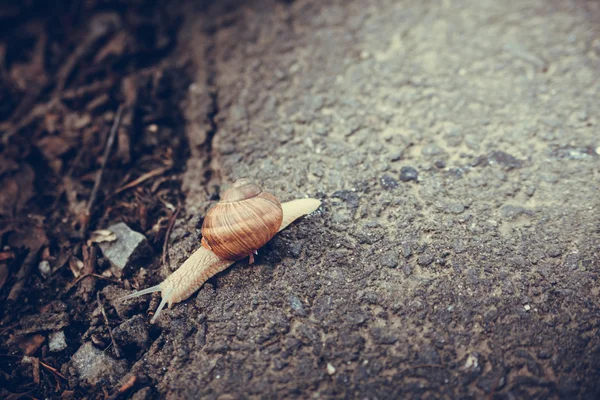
244,220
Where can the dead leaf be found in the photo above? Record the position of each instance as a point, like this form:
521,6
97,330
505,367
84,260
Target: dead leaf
53,146
115,47
30,344
74,122
75,265
36,370
77,207
101,236
8,195
51,121
27,235
7,165
17,190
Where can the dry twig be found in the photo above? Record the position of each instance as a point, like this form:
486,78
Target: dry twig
126,387
24,273
82,277
89,268
36,370
100,26
112,339
144,177
169,229
105,156
53,370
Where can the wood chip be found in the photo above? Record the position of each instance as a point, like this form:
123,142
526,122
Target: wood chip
36,370
31,344
75,265
101,236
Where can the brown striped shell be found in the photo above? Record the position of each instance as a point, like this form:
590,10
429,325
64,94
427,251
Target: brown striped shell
243,221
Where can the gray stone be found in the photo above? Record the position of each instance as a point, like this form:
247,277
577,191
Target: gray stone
454,208
57,341
297,305
395,156
572,261
95,367
425,259
349,196
390,259
454,138
432,150
406,249
505,159
44,268
511,212
129,247
408,174
554,251
388,183
382,336
407,269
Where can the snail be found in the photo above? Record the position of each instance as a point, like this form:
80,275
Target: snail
243,221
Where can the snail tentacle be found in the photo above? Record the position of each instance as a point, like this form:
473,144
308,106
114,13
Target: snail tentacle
166,296
157,288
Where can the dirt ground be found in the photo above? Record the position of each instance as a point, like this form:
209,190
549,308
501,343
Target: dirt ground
455,145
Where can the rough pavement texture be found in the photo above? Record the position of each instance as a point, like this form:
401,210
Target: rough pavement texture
472,273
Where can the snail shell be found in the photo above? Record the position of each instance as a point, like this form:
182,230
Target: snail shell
243,221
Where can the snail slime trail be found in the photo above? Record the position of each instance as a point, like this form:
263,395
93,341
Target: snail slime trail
243,221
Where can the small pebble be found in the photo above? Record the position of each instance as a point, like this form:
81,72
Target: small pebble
529,190
128,248
408,174
95,367
330,369
554,252
512,212
432,150
387,182
505,159
227,148
390,260
45,269
454,208
425,259
406,250
527,307
407,269
297,305
57,341
395,156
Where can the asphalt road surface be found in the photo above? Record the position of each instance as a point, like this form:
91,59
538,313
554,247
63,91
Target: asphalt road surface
455,145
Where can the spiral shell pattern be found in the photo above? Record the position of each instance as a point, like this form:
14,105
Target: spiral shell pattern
243,221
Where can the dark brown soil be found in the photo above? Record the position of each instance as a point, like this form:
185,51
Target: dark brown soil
455,146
